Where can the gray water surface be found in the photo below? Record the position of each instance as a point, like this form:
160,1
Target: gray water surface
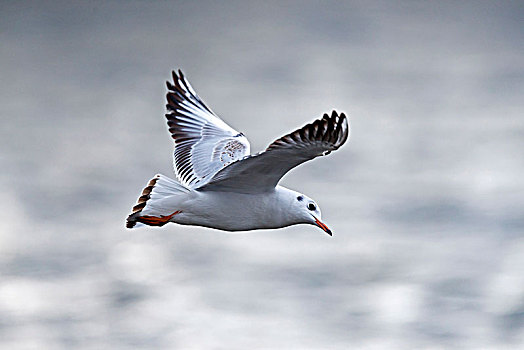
425,201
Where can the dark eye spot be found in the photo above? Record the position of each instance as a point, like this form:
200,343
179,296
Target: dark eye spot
311,206
300,198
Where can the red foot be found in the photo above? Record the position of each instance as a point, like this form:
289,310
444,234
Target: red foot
156,221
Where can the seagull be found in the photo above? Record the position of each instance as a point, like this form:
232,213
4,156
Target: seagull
220,184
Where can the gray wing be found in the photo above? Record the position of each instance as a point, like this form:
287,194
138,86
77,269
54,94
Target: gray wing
204,144
262,172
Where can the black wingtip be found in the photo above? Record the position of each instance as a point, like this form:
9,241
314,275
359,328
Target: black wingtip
131,220
340,132
344,119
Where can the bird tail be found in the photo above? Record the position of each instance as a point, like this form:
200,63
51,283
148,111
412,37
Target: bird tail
149,205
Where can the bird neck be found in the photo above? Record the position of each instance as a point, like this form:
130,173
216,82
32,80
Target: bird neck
284,206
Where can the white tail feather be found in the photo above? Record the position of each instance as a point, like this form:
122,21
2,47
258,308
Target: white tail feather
150,202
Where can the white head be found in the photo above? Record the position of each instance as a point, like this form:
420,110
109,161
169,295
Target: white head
306,211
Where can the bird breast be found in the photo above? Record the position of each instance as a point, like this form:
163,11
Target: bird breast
234,211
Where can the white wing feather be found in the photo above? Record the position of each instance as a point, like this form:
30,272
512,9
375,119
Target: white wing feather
204,144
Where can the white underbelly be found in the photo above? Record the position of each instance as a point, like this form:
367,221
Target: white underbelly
229,211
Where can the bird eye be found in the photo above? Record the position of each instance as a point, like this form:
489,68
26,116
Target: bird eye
311,206
300,198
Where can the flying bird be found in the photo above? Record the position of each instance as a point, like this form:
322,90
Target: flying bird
220,184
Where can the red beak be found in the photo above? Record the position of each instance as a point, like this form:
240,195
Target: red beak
323,226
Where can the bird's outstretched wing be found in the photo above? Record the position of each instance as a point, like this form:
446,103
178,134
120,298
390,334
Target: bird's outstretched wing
204,144
262,172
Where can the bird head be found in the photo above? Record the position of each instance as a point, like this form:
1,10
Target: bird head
308,212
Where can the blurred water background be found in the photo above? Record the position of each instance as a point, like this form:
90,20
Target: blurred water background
425,201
